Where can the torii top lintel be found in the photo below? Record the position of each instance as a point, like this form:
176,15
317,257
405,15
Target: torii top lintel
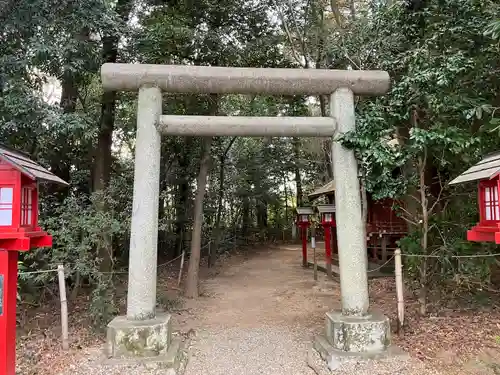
227,80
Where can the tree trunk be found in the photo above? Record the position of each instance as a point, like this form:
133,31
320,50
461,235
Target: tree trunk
102,175
424,277
194,259
220,197
246,221
60,166
261,206
298,180
103,160
286,200
327,143
183,195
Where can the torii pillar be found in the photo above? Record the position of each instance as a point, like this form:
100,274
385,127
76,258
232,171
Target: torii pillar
145,333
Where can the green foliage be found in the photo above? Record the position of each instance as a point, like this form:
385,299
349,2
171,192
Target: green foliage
442,106
60,44
77,227
437,119
493,29
439,92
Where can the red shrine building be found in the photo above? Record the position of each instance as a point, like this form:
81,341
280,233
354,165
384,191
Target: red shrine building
487,175
383,228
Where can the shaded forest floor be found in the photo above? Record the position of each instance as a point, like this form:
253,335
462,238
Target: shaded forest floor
263,288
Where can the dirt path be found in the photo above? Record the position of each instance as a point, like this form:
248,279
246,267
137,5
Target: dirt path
256,317
259,316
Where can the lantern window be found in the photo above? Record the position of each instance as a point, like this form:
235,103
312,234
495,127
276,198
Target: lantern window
6,200
27,206
328,217
491,207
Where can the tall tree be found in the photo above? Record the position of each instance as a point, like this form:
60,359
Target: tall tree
103,161
194,260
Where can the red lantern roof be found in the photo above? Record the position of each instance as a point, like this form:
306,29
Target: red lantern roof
28,167
487,168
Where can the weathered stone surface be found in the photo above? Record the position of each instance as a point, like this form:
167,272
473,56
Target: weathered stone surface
225,80
244,126
336,359
367,334
139,338
173,362
141,296
351,238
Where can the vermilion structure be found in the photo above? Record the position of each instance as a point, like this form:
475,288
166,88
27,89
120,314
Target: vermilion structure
19,231
303,214
486,173
327,212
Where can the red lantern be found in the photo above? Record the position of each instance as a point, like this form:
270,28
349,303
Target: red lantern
303,214
487,173
327,212
19,231
304,219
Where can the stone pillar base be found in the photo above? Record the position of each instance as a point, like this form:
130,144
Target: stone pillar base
145,341
370,333
353,338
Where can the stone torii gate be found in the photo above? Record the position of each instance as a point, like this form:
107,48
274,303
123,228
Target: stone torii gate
145,333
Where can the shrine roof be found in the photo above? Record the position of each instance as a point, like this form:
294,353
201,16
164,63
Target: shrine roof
487,168
28,167
327,189
304,210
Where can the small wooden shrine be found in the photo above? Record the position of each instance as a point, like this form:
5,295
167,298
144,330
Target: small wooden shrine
19,231
487,175
383,228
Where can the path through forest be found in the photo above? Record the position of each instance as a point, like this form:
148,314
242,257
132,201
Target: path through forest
259,315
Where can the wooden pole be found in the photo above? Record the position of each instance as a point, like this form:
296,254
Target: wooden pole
179,278
64,307
304,246
209,254
328,250
399,287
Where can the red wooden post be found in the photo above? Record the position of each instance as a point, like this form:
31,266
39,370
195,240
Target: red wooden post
328,249
327,212
303,214
8,300
304,245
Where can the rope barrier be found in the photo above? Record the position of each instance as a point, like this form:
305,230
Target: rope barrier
451,256
122,272
382,266
37,272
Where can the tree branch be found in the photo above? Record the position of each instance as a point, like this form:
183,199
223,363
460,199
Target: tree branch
288,34
336,12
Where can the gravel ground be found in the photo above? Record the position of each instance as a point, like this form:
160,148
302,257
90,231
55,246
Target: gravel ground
260,319
250,351
258,316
